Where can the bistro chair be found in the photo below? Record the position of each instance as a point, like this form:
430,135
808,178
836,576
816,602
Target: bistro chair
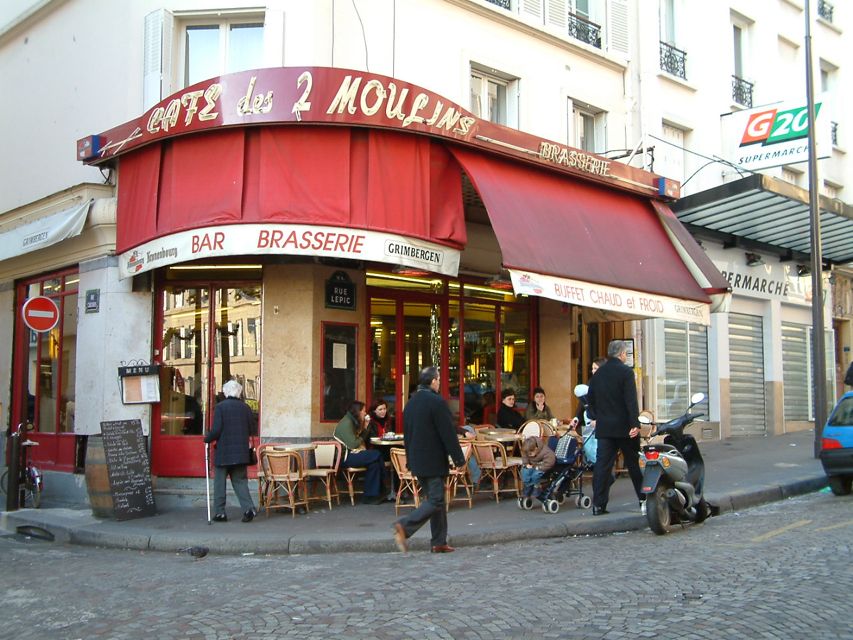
491,456
532,428
262,481
406,480
460,476
327,459
350,473
284,481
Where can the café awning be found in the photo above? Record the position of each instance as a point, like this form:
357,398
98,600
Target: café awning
584,244
44,232
764,213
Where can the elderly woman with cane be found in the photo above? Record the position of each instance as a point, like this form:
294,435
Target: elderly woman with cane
232,425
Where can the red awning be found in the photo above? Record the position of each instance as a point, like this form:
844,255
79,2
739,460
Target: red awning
582,243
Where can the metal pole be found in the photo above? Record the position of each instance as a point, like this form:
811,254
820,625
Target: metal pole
207,479
14,471
818,335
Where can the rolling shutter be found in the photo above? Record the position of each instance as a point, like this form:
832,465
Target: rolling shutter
746,361
795,371
686,367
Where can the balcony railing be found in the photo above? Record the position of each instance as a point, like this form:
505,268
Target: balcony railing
584,30
742,91
833,128
824,10
504,4
673,60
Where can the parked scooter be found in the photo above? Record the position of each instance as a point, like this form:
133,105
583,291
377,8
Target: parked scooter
674,474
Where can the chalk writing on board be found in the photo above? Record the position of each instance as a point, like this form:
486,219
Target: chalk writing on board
127,469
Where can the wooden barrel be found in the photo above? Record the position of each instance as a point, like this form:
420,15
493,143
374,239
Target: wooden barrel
97,480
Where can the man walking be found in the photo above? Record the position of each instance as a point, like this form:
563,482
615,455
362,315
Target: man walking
612,401
430,438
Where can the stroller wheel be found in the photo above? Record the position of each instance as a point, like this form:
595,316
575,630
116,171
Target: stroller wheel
583,502
561,497
550,506
525,503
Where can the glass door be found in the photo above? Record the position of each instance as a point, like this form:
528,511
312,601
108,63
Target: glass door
196,361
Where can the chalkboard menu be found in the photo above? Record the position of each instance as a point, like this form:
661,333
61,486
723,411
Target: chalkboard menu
127,469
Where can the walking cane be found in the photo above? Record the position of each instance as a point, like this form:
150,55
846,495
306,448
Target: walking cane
207,478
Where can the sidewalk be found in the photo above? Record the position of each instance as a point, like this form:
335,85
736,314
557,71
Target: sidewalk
739,473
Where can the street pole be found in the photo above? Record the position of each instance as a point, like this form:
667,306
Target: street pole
818,334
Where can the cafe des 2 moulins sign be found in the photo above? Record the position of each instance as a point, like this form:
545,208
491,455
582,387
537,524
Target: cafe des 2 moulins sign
333,96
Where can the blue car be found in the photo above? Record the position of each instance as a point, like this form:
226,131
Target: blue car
836,453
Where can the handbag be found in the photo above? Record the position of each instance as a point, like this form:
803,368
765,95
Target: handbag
253,454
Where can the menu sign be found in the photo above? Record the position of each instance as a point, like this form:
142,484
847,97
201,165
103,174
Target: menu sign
128,470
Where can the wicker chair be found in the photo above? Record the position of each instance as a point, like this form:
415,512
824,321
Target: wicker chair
284,481
406,481
460,476
491,456
262,481
327,458
535,428
350,474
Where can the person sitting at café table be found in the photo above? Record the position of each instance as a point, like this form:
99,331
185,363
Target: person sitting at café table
508,417
538,410
349,432
380,421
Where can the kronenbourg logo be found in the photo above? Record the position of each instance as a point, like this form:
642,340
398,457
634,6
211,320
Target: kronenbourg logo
135,262
525,282
772,126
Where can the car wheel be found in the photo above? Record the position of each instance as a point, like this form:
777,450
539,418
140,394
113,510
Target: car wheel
840,485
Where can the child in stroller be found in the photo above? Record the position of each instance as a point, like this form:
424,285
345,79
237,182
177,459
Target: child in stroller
565,478
537,458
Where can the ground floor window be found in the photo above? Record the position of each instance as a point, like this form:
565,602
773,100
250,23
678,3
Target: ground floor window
45,363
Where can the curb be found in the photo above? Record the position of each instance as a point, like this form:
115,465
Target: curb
65,530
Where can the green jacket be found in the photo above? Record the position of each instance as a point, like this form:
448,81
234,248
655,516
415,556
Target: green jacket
347,432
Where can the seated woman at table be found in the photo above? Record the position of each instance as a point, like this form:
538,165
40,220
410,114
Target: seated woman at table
538,410
349,433
508,417
381,422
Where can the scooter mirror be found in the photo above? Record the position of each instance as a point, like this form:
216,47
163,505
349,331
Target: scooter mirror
696,398
581,390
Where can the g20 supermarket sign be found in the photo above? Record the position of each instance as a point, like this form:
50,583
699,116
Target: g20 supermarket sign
777,134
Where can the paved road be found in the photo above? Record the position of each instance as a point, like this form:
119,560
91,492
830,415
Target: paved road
777,571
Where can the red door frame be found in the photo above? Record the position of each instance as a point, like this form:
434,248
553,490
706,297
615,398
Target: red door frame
183,455
56,450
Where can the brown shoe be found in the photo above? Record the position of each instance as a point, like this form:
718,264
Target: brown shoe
400,537
443,548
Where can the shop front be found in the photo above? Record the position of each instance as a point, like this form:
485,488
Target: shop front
323,234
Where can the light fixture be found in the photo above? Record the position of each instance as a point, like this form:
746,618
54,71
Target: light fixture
499,282
753,259
403,270
803,270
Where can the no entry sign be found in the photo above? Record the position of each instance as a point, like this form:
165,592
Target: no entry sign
40,313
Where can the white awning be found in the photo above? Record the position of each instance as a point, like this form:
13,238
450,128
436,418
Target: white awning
44,232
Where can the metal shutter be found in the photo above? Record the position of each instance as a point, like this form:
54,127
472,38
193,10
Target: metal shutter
746,361
795,371
686,368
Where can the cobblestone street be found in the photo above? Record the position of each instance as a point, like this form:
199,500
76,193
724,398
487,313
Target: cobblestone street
778,571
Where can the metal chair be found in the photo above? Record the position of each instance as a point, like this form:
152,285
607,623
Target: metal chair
327,459
284,479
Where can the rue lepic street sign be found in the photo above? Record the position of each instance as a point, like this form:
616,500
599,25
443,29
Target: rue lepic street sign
40,313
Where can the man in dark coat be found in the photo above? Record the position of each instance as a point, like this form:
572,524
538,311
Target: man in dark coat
613,405
430,437
232,424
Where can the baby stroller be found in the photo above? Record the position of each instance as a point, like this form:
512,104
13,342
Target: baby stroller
565,478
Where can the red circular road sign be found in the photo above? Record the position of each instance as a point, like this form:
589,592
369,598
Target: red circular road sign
40,313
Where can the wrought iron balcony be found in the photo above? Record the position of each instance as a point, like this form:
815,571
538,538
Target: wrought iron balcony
673,60
584,30
503,4
834,133
824,10
742,91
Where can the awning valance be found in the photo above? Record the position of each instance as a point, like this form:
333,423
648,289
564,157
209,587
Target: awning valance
583,244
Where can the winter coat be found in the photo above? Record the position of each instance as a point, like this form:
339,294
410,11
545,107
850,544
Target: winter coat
612,400
508,418
233,421
533,414
430,435
544,459
347,431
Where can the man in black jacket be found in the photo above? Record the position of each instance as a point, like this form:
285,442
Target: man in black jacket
430,438
613,405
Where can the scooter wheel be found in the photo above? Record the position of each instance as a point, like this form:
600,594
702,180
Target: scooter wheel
583,502
550,506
